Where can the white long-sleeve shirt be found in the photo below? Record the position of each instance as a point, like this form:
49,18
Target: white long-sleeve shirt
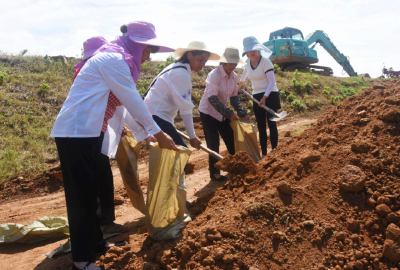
260,77
172,93
83,111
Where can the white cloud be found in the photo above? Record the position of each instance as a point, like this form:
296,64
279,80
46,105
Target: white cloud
363,30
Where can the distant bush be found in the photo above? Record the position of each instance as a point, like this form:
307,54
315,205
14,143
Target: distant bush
347,92
326,91
297,105
44,90
297,85
334,99
308,86
291,97
282,94
277,68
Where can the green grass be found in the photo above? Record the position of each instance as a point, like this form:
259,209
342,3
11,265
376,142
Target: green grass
32,91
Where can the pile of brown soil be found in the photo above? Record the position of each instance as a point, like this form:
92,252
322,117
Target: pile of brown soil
326,199
48,182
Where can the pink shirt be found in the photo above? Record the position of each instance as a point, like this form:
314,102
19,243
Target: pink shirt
218,84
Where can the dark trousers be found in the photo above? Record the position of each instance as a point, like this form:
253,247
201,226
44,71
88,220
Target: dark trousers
79,164
169,128
262,117
212,129
105,202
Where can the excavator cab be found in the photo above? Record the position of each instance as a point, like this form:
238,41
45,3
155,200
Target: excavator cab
287,32
289,49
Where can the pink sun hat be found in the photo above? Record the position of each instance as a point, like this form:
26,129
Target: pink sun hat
91,45
145,33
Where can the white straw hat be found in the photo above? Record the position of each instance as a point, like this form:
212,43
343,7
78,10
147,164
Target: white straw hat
231,56
196,46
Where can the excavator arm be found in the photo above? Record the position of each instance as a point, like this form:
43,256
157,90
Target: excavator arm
320,37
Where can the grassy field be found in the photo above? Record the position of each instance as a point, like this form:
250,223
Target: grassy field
33,89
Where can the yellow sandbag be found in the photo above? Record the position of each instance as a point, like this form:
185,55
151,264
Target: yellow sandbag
127,155
166,212
245,135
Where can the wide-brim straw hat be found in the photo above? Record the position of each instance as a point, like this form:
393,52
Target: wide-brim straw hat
231,56
196,46
145,33
252,44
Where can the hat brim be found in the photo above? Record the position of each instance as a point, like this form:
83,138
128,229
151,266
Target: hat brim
257,47
181,51
89,53
252,47
153,42
224,60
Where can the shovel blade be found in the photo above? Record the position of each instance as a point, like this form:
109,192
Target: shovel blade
279,116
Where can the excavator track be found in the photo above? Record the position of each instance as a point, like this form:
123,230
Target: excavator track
321,70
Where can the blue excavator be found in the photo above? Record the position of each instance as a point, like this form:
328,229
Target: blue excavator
291,51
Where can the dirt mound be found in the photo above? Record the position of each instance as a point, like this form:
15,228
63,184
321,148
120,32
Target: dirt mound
48,182
239,164
327,199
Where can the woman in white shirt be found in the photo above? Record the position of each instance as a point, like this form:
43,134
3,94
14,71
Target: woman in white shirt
105,82
260,70
171,90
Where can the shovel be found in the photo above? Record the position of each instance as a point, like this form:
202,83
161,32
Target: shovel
211,152
275,117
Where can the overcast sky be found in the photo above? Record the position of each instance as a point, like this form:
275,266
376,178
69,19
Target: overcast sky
366,31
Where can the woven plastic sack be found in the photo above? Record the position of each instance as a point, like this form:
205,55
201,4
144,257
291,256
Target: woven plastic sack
166,212
127,155
36,231
245,135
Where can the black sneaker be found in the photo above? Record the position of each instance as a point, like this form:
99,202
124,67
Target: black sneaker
219,178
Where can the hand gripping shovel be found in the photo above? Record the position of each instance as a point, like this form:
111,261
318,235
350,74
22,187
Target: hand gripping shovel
275,117
211,152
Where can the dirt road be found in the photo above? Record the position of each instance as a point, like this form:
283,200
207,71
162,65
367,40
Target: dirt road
24,211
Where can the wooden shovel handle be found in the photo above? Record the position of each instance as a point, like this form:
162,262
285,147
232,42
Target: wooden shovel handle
256,101
211,152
